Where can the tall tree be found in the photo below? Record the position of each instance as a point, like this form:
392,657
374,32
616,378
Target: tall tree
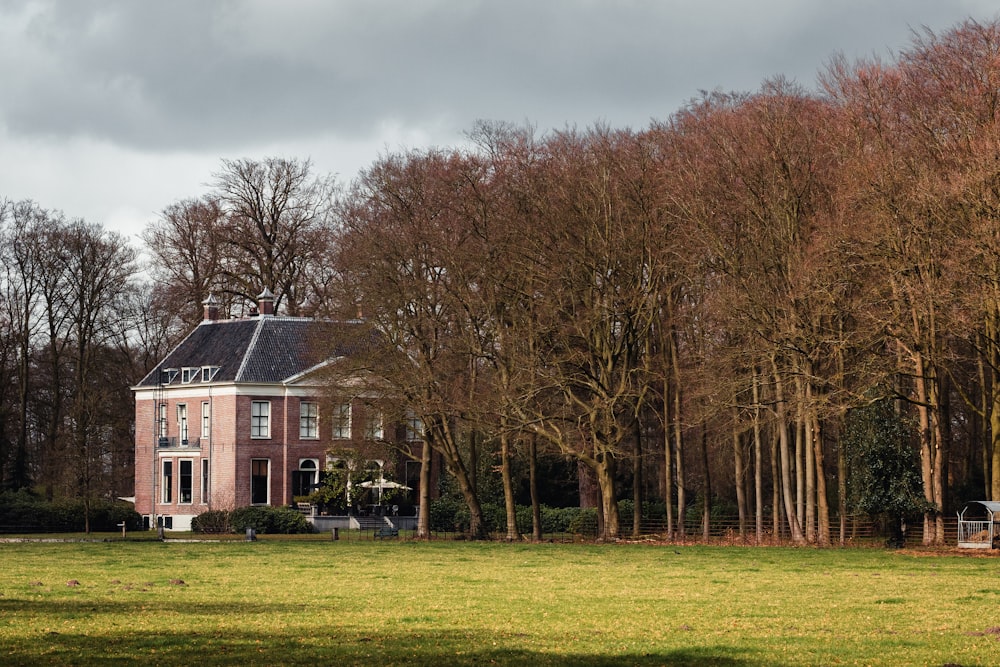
276,216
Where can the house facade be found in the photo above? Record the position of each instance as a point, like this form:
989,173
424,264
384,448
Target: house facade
237,415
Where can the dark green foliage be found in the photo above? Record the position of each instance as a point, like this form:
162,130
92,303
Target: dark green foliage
213,521
266,519
450,514
884,473
585,522
25,512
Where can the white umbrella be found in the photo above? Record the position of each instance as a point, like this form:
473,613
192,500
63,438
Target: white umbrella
382,484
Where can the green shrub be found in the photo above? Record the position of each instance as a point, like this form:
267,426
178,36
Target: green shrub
585,522
267,519
211,522
24,511
447,515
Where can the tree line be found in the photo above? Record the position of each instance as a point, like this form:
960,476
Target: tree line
697,312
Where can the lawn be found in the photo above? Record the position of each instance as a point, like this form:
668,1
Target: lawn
402,602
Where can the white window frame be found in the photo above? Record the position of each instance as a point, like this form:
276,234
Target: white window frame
267,484
341,422
314,469
162,419
374,425
180,482
208,373
167,481
260,420
308,420
188,374
206,419
182,423
414,427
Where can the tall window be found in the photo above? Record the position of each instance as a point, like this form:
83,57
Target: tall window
204,481
260,419
162,420
185,481
182,423
206,420
414,427
373,425
305,478
308,420
167,482
259,486
341,419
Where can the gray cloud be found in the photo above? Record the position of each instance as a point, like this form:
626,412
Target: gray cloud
233,77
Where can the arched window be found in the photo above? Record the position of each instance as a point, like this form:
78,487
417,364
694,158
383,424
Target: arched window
306,478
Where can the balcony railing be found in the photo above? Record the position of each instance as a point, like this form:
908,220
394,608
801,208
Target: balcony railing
174,441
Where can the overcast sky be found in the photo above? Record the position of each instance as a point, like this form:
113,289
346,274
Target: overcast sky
112,109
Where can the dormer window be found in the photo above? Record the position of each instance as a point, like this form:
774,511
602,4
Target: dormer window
208,373
168,375
189,375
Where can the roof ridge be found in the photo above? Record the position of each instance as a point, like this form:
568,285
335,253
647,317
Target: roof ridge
250,348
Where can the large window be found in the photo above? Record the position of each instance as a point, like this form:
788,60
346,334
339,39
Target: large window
162,420
308,420
304,479
182,423
167,482
185,481
373,424
260,419
414,427
259,486
341,419
206,420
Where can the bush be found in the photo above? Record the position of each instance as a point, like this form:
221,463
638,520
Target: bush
211,522
266,519
585,522
448,515
26,512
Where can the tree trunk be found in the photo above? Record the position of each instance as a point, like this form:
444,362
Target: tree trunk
741,499
678,435
424,499
536,510
758,474
604,468
668,462
786,473
508,486
706,511
637,479
810,450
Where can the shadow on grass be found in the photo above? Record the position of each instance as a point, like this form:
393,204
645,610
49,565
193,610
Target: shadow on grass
210,644
334,648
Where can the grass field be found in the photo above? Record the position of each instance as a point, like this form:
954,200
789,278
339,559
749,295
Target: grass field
401,602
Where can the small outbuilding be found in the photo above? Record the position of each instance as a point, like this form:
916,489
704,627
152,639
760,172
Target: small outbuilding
979,525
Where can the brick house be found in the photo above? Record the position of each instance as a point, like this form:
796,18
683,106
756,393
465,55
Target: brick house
234,416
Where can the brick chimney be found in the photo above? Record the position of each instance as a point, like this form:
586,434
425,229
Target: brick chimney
265,302
211,305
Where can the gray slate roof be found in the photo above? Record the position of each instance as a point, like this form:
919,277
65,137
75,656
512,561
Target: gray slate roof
259,350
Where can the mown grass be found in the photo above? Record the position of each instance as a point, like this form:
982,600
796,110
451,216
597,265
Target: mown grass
402,602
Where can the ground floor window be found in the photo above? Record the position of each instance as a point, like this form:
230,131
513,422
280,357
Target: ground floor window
185,482
167,482
259,482
306,478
